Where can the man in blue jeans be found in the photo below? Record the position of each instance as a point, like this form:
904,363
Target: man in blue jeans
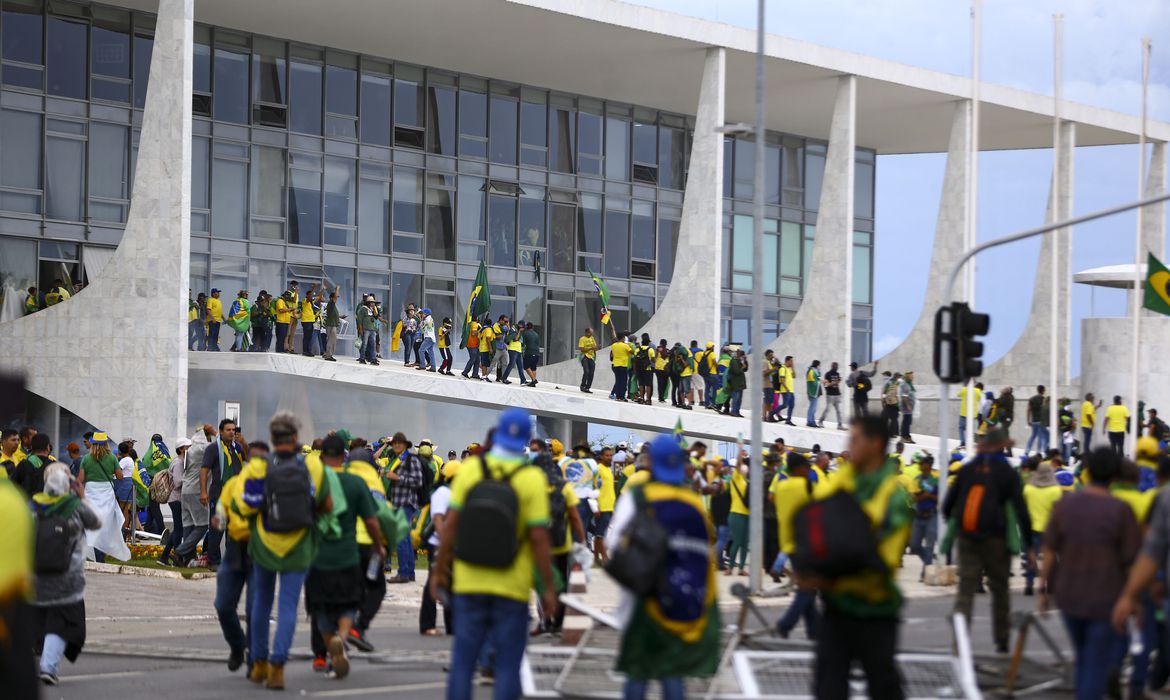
368,330
491,600
404,470
234,573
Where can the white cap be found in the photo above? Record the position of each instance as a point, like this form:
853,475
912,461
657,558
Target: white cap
622,445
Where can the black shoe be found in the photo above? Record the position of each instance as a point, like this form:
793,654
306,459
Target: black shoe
361,361
464,375
788,422
48,678
330,359
532,383
1028,590
235,660
375,363
359,641
504,381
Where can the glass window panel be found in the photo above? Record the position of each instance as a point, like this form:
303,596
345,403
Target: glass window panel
229,207
502,231
772,174
590,130
374,216
269,83
646,144
562,222
671,157
440,243
532,124
560,343
304,208
20,146
375,121
861,274
814,172
408,204
745,168
265,275
789,249
200,153
617,244
305,98
66,57
728,164
108,153
442,306
562,141
405,288
441,116
230,103
64,178
22,33
617,149
471,208
667,245
530,307
741,256
503,135
340,191
18,262
807,261
641,310
268,180
770,262
587,313
532,222
589,226
863,190
341,90
642,238
793,165
143,49
408,102
111,48
201,71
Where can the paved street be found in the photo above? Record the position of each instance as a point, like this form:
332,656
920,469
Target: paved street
158,637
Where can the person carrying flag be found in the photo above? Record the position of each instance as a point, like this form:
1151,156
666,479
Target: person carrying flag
240,319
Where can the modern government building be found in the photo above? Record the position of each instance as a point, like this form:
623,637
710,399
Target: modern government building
389,148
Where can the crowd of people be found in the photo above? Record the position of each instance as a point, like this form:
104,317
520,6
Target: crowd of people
58,291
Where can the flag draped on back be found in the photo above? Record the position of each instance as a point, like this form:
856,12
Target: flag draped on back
602,295
1157,297
479,303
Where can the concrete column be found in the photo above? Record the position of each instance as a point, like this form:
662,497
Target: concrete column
916,350
823,326
1027,363
1154,218
116,353
691,307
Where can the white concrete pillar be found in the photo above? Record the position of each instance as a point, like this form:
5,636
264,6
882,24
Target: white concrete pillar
116,353
1154,218
822,328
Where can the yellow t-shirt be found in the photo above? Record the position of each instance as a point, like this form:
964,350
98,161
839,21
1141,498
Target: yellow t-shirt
606,495
963,400
571,502
788,495
659,359
283,311
1115,417
688,370
486,335
739,489
587,345
784,379
444,336
639,477
621,354
514,581
1140,502
193,313
1040,500
308,312
214,310
1088,415
516,345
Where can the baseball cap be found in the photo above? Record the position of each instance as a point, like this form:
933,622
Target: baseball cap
668,461
183,442
514,429
214,290
99,437
622,445
333,446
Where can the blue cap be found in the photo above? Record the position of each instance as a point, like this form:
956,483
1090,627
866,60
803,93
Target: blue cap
427,312
669,462
513,430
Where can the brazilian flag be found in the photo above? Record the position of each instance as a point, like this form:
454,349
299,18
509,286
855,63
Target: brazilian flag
1157,296
479,303
602,296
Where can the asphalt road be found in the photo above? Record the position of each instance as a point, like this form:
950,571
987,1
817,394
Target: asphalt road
153,637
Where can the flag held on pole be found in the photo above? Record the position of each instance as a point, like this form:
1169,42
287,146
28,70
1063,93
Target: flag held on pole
1157,294
677,433
602,295
478,304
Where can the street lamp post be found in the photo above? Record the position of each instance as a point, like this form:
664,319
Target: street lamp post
756,364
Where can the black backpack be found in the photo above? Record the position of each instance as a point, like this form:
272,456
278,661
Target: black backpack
558,520
428,480
642,359
834,538
488,521
637,561
862,384
54,550
703,362
288,495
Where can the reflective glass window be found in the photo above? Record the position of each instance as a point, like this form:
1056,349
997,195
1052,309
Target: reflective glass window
18,263
472,214
266,275
771,258
503,134
440,243
472,124
22,32
745,168
201,70
667,246
532,222
143,49
229,206
533,139
408,200
560,342
269,82
268,176
20,144
617,149
341,90
109,150
562,225
862,274
375,121
771,174
441,117
646,144
405,288
617,244
863,186
501,231
64,178
530,307
408,99
589,226
110,54
374,216
562,137
340,192
231,86
641,309
814,164
789,249
671,157
728,164
304,207
642,231
305,98
590,143
65,61
741,254
200,154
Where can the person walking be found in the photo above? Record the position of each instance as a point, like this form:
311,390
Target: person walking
221,461
63,516
924,498
907,404
662,369
367,331
985,488
195,513
790,491
706,366
405,478
497,351
332,325
99,471
444,344
196,317
672,632
619,354
1117,425
861,382
587,354
889,400
308,310
1041,493
235,571
214,309
738,519
174,501
440,504
471,342
1038,422
489,562
977,395
832,386
409,320
426,329
281,496
813,389
736,380
515,351
284,308
786,383
240,319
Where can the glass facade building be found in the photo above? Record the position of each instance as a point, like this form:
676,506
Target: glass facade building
384,177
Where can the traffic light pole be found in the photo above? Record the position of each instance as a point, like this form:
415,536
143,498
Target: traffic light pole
944,419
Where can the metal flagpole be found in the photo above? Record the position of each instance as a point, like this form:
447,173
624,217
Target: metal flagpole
1138,252
1057,236
972,202
756,364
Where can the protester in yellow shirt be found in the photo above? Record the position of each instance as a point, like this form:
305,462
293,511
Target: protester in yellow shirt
309,320
737,520
1117,425
977,396
1041,494
606,497
214,319
1088,422
620,353
788,495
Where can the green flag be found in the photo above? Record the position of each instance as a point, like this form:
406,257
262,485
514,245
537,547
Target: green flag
602,295
479,303
677,433
1157,286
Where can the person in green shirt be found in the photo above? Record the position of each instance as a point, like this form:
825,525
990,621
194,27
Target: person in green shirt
32,302
332,324
335,585
262,319
530,351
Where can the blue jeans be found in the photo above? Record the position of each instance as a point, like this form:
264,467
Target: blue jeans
907,421
923,535
1095,646
407,346
672,689
962,430
1151,637
812,410
736,401
54,649
484,620
260,338
240,343
196,336
405,550
778,565
621,380
711,384
514,361
1037,545
722,537
370,346
229,585
471,369
212,336
308,331
787,401
281,336
804,606
426,353
262,595
1039,436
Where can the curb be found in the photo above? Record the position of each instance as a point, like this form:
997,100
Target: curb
129,570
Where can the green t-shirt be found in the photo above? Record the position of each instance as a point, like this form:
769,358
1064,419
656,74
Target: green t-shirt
342,553
99,471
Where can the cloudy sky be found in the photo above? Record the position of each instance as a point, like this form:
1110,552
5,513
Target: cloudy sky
1101,67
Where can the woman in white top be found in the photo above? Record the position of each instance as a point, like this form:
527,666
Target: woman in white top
440,499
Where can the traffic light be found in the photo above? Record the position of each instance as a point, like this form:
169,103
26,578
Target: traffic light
958,355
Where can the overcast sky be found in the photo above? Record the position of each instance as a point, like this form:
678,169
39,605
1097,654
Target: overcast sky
1101,67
